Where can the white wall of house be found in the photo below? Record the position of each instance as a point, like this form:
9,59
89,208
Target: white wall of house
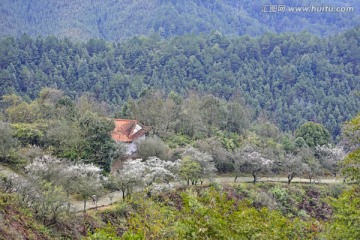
132,147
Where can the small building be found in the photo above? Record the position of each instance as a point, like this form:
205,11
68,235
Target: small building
129,132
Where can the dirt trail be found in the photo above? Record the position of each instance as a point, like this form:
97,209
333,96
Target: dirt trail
117,196
5,170
114,197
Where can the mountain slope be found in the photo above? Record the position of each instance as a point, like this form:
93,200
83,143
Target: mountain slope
119,19
292,77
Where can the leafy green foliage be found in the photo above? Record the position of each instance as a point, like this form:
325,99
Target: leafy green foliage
346,221
190,170
153,147
104,233
209,214
178,140
351,167
76,130
98,148
314,134
28,134
8,144
351,132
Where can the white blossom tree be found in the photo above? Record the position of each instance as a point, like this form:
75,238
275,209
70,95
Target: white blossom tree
130,176
151,173
160,171
330,157
47,200
47,168
87,181
83,179
293,166
312,165
249,160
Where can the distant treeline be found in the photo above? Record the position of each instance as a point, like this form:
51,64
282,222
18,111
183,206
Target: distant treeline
115,20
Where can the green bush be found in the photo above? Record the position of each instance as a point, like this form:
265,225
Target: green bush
178,140
210,214
335,190
104,233
346,220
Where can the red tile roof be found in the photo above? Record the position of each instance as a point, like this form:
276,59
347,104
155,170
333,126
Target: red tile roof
124,130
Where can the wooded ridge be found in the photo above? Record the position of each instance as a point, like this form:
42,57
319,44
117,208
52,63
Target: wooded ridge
292,78
115,20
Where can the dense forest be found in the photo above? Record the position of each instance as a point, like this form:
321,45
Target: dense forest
290,78
120,19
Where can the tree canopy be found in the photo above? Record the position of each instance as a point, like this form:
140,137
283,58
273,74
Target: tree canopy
314,134
292,78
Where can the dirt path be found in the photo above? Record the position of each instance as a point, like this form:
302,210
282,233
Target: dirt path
6,171
114,197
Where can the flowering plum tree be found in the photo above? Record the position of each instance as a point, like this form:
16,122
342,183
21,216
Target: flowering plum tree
159,171
249,160
130,176
293,166
72,177
330,157
151,173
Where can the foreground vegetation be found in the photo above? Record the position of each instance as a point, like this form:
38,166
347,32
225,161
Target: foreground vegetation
243,211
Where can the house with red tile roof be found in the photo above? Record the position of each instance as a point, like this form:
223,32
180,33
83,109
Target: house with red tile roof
129,132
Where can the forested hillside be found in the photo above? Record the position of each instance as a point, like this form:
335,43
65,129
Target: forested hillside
290,78
246,119
120,19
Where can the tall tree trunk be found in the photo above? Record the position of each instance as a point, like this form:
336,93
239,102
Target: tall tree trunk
68,204
255,178
123,194
290,178
84,205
